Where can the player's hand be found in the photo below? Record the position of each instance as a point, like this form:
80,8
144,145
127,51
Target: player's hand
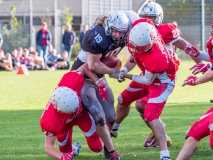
190,81
191,50
200,67
115,73
103,93
67,156
121,77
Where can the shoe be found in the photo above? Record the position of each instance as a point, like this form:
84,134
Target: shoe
150,141
111,156
165,158
76,150
169,142
114,133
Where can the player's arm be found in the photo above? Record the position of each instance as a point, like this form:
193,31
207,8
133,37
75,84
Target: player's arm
96,65
147,78
129,65
193,52
50,149
193,80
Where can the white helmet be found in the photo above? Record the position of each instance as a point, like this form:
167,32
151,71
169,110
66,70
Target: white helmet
152,9
66,100
118,21
141,38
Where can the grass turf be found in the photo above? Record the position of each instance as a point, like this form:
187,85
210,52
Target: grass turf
23,99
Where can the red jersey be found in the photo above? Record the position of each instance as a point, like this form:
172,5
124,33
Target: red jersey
52,121
209,47
157,60
170,33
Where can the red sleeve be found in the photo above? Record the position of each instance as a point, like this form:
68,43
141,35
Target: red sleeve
209,47
168,32
50,123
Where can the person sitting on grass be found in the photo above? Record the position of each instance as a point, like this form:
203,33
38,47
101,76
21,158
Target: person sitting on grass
5,61
65,110
25,59
63,63
52,60
15,59
38,61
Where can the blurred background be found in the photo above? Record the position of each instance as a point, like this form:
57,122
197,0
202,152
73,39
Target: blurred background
21,19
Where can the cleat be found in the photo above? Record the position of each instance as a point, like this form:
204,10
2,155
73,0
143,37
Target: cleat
114,133
111,156
169,142
165,158
150,140
76,150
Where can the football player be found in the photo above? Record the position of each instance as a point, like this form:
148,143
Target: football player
170,35
157,78
106,37
204,126
64,110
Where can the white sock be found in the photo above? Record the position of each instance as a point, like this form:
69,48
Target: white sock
164,153
116,126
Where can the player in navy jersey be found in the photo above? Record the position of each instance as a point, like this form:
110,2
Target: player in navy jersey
106,37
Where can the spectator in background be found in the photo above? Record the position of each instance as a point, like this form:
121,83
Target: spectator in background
1,40
43,40
63,63
52,60
5,61
15,59
31,50
20,52
82,33
38,61
68,40
25,59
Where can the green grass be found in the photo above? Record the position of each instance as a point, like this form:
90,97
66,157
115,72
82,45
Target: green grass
23,98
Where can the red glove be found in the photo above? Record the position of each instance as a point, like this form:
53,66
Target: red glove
103,93
190,81
200,67
67,156
191,50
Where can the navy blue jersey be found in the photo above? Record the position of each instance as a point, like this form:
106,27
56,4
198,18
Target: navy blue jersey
96,42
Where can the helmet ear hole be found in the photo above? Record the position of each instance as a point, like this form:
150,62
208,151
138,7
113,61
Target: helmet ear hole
65,100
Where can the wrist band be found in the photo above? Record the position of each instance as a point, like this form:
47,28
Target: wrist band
124,69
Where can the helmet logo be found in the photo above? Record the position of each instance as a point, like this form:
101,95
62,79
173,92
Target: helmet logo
147,9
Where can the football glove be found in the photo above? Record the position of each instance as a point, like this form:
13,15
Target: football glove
67,156
200,67
190,81
103,93
191,50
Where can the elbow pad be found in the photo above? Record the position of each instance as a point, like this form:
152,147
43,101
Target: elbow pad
191,50
147,78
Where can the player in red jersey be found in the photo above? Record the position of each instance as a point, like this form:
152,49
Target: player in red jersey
64,110
171,37
204,126
157,79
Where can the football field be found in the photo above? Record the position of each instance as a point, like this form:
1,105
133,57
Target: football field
23,98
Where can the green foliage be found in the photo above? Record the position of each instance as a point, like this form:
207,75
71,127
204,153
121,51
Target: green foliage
14,37
23,99
67,17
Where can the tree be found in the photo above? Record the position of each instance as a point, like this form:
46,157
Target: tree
13,34
67,17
